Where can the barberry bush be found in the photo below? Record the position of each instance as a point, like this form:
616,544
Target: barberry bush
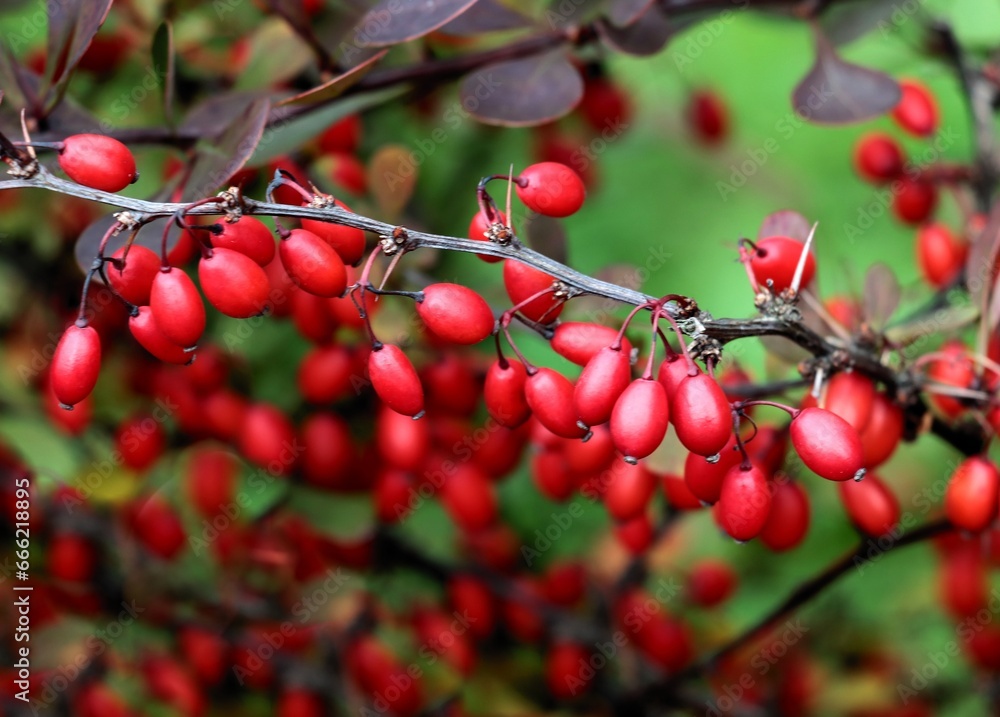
468,357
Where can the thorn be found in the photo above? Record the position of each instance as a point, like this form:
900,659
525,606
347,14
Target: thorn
801,266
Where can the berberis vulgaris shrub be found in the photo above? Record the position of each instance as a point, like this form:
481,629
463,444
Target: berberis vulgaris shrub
276,442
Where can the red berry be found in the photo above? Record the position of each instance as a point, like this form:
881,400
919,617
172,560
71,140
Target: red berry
233,283
552,476
328,452
140,441
878,158
956,370
395,380
345,171
210,480
605,106
478,229
456,313
850,395
98,161
177,308
565,582
206,653
672,372
940,254
591,457
701,415
601,383
677,493
158,528
579,341
70,557
707,117
636,534
871,505
971,500
470,498
504,393
522,282
344,135
98,700
248,236
568,673
470,596
551,188
917,111
312,264
144,329
914,200
883,432
550,396
704,479
629,491
827,444
710,582
744,502
267,439
76,365
325,374
348,242
311,316
640,418
788,519
392,495
776,259
135,280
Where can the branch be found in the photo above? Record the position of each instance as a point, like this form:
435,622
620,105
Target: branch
704,328
664,691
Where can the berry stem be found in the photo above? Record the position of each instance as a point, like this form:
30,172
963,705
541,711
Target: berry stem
774,404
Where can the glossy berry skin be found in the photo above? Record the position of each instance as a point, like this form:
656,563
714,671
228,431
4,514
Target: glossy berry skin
672,373
788,520
76,365
550,396
744,502
917,111
776,259
635,534
707,117
177,308
600,384
640,419
267,439
159,529
701,415
704,479
344,135
551,476
395,380
871,506
145,330
135,281
955,370
914,200
312,264
827,444
551,188
878,158
233,283
249,236
98,161
850,395
348,242
579,341
522,282
883,431
456,313
504,393
971,500
140,441
940,254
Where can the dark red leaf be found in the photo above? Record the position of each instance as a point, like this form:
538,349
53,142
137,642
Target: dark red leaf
845,22
520,93
646,36
336,86
391,22
785,222
983,255
164,66
625,12
220,157
882,294
838,92
486,16
72,25
217,112
547,236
